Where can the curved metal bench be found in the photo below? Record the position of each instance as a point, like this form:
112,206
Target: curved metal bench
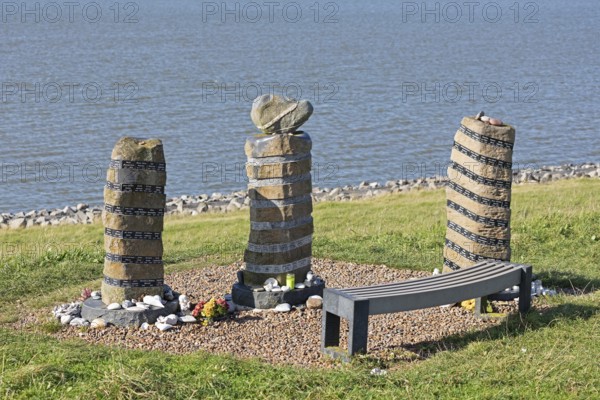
356,304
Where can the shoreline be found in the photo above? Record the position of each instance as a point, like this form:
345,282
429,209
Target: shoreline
219,203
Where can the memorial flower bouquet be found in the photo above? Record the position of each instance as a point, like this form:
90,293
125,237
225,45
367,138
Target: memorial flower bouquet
211,310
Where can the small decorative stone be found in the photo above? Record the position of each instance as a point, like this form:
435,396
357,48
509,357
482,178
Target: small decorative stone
145,326
314,302
479,115
154,301
98,323
310,276
495,122
136,308
79,322
142,305
163,327
299,286
187,319
66,319
170,319
278,115
285,289
127,304
284,307
113,306
485,118
184,303
96,295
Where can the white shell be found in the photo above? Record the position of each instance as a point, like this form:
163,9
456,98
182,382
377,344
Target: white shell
145,326
299,286
285,289
113,306
485,118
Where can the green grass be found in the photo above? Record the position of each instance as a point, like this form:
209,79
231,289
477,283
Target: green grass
553,354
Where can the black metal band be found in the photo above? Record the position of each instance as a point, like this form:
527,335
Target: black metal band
499,223
481,158
477,238
485,139
135,188
464,252
450,264
134,211
134,283
476,198
128,164
132,234
133,259
480,179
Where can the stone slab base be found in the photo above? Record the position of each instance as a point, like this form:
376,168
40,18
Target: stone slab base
244,296
92,309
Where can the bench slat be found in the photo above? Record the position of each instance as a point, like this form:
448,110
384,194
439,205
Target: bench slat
424,283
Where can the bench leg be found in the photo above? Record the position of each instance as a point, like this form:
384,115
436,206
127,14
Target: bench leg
525,290
359,328
330,332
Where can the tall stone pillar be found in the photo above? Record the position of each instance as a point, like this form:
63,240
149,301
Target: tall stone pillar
479,193
281,226
134,203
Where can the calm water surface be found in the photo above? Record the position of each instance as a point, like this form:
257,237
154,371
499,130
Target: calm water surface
388,82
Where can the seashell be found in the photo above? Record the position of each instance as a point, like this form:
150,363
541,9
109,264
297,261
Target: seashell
96,295
485,118
299,286
142,305
479,115
495,122
310,275
66,319
285,289
113,306
145,326
154,301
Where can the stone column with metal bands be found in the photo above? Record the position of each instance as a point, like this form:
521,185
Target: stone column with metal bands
134,204
479,193
281,224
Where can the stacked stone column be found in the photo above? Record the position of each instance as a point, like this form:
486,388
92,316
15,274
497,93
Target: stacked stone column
281,224
134,198
479,194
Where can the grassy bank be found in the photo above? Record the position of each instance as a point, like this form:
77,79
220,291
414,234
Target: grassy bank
553,354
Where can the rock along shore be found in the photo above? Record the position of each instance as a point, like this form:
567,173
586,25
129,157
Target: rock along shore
220,203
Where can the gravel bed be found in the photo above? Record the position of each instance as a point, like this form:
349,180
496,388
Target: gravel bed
294,337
